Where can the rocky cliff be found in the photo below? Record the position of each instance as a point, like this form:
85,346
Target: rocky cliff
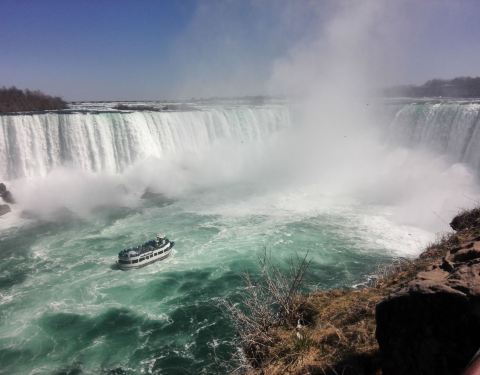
432,326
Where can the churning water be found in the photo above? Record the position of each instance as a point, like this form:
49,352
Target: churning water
79,179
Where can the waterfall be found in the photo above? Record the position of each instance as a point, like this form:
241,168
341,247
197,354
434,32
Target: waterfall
110,141
34,144
450,128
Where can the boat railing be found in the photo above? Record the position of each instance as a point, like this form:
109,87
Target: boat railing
144,248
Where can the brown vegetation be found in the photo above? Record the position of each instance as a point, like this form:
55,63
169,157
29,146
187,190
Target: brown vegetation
327,332
16,100
271,302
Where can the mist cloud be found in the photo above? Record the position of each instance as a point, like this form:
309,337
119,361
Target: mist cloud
334,148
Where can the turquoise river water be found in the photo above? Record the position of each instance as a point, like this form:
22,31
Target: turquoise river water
66,309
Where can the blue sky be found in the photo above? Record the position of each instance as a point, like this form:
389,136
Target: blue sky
127,49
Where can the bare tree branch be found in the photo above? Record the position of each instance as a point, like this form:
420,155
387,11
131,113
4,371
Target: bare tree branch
271,301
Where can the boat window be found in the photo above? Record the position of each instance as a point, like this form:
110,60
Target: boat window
142,259
135,261
123,261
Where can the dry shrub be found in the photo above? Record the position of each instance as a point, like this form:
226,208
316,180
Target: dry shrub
271,301
342,338
443,243
389,273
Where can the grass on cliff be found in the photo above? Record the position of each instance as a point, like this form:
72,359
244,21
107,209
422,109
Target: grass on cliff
336,334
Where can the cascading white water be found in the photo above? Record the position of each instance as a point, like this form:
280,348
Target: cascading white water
34,144
450,128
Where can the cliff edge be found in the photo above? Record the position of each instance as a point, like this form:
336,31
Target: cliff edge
432,326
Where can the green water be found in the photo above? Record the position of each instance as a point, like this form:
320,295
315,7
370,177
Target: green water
65,309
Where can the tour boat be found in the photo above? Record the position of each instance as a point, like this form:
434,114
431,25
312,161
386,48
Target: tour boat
151,251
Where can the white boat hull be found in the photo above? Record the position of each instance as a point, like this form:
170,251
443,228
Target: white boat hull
148,259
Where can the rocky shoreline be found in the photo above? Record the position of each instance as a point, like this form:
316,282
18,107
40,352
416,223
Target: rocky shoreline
418,317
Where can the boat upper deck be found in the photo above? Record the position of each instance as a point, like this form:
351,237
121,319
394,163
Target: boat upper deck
144,248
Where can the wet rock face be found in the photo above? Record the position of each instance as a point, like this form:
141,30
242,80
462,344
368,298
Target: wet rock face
432,326
4,209
158,198
5,194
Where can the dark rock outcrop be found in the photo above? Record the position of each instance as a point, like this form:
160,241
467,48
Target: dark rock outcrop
157,198
466,220
7,198
4,209
5,194
432,326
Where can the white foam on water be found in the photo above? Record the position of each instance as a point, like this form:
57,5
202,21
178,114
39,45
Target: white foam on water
229,200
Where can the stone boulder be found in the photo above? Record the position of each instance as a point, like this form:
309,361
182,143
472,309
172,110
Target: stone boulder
432,326
158,199
5,194
466,220
4,209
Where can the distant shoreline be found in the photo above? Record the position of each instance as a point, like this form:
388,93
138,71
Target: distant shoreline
13,100
460,87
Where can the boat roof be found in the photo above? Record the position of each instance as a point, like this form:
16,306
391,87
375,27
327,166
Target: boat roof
143,248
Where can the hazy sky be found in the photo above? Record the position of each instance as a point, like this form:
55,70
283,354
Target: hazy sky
134,49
